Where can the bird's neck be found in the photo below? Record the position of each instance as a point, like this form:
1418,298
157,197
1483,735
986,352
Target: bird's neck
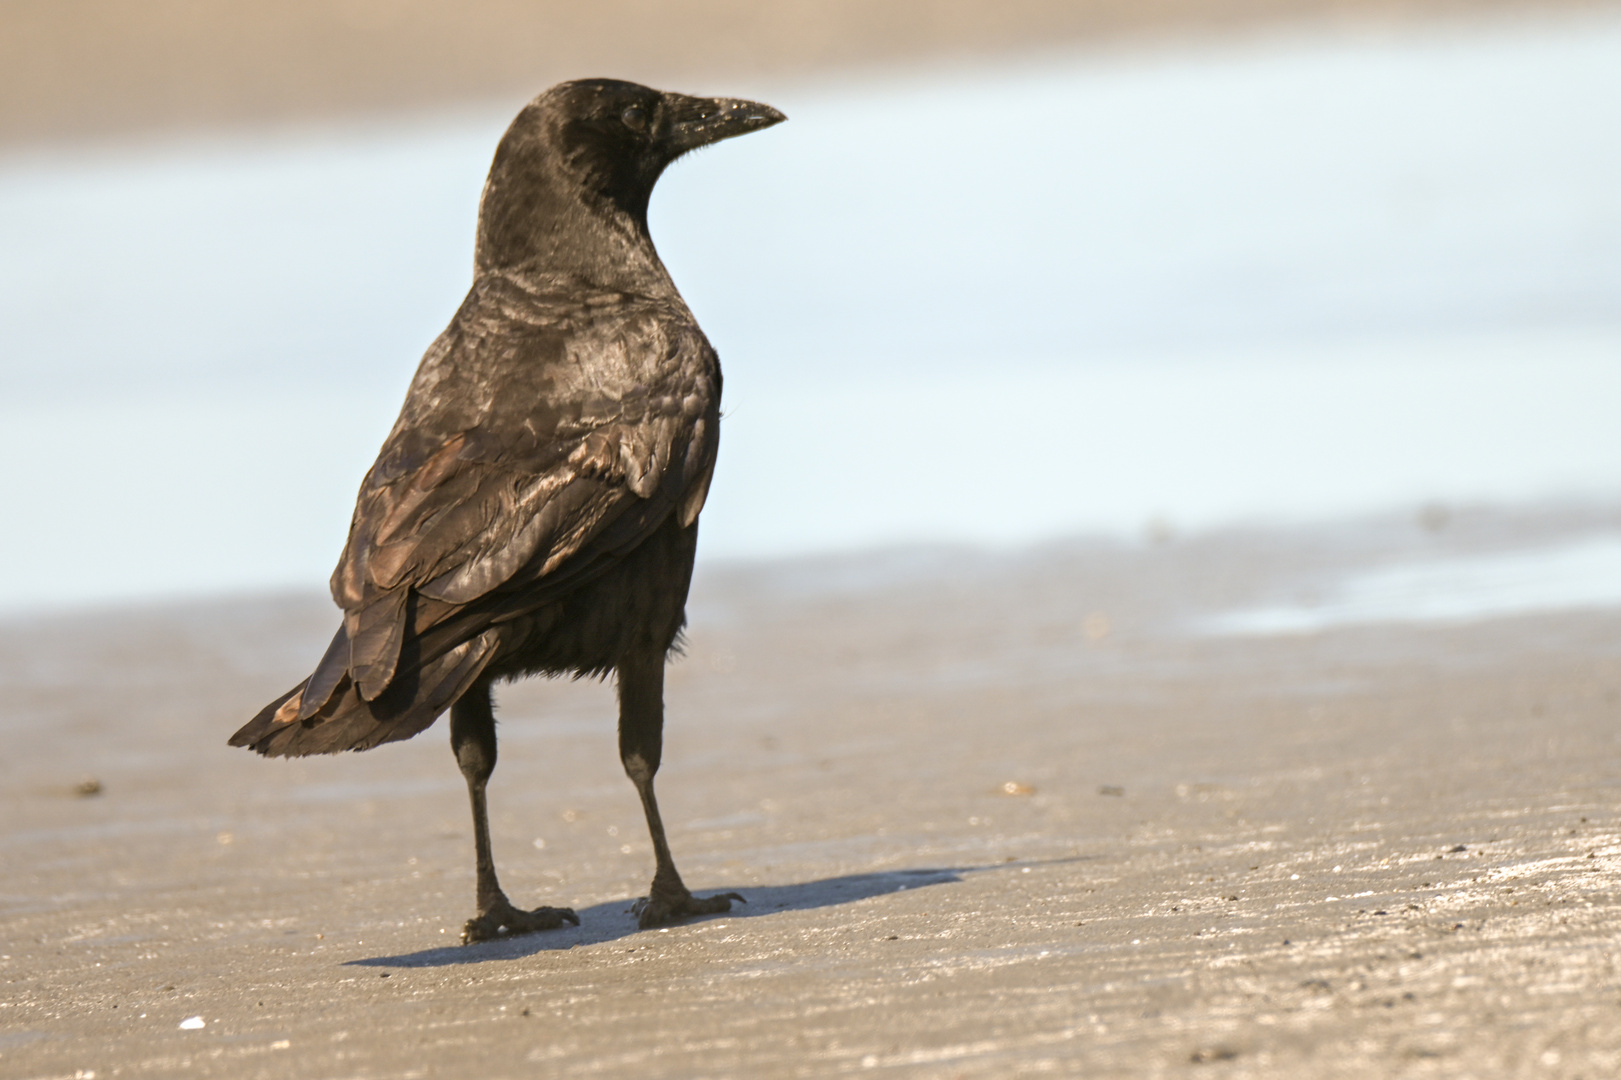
568,234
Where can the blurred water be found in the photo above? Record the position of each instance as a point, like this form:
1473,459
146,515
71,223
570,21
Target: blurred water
1563,577
1296,277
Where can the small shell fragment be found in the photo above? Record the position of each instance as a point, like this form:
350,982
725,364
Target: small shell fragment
1013,787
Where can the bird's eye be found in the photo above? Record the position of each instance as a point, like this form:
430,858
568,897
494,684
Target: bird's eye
634,118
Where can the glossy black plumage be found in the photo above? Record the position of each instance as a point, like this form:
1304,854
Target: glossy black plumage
534,509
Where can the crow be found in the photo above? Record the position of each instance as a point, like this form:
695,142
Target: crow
535,508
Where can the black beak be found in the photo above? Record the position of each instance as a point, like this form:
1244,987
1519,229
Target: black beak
691,122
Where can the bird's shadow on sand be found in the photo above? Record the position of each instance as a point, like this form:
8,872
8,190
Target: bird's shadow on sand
613,920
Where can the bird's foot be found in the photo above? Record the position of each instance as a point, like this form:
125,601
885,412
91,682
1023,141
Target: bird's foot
659,907
503,920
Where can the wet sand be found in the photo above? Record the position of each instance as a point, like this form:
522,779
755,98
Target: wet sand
1387,850
107,68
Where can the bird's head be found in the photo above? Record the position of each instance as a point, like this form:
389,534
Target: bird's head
594,148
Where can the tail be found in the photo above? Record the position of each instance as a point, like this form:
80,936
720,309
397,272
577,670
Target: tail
347,721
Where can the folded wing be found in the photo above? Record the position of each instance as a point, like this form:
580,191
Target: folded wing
526,461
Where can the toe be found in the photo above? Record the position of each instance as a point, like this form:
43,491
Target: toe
489,925
542,918
479,929
651,911
711,905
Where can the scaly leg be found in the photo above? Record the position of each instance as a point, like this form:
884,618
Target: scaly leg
641,743
472,737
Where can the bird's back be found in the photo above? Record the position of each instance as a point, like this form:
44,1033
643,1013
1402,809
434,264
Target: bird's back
552,431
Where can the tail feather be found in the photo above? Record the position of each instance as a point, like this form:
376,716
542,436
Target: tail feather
251,732
320,686
347,721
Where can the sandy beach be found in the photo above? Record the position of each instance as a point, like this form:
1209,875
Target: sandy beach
994,814
102,68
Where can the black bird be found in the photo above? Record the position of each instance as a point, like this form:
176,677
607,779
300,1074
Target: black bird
535,508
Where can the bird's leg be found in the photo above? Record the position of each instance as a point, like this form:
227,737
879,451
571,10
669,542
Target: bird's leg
641,742
472,737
